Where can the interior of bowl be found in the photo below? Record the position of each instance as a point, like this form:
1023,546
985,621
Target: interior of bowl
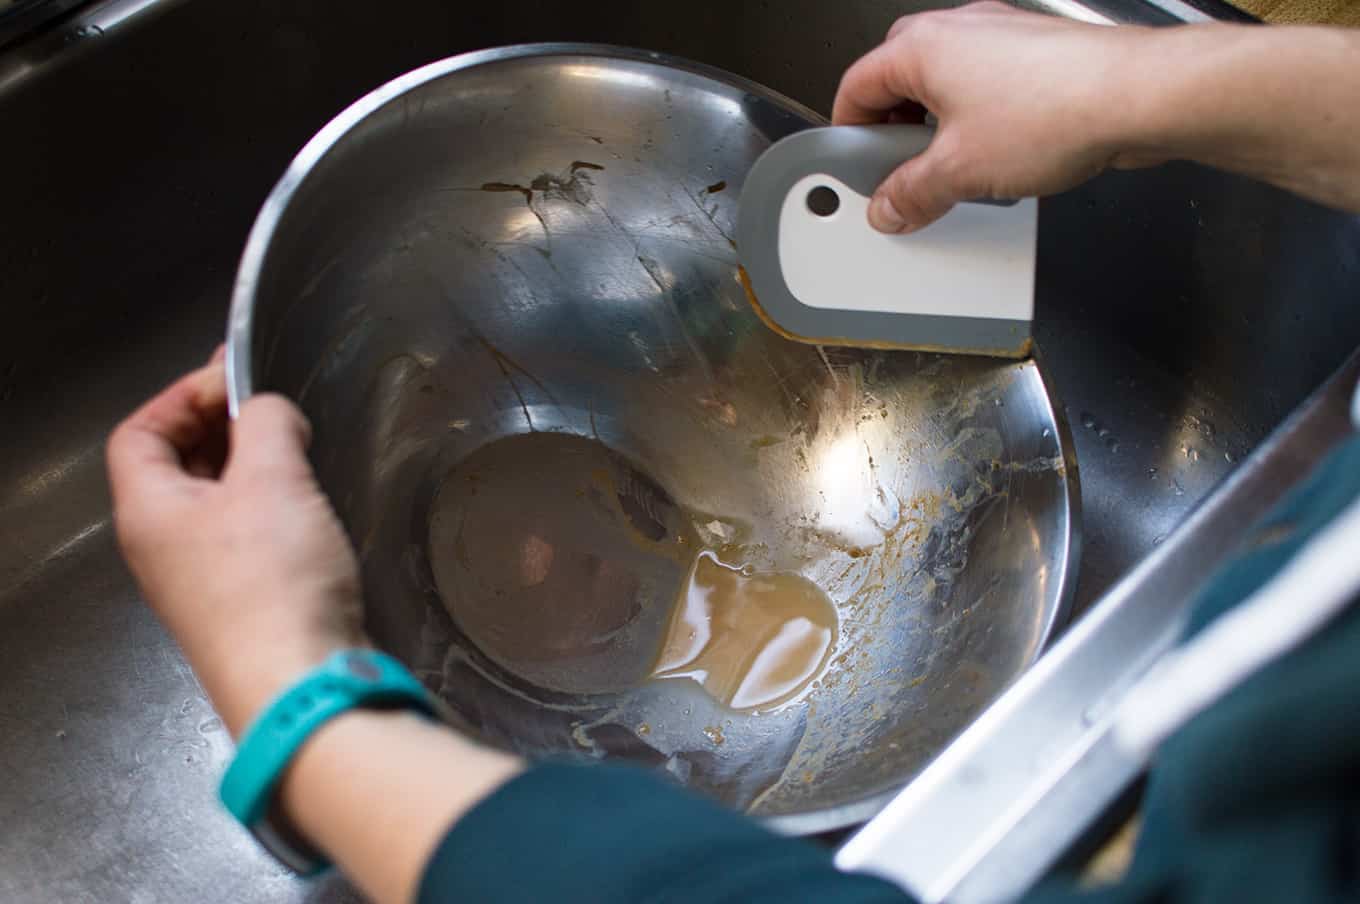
504,290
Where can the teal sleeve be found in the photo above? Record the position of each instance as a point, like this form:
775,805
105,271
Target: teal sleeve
612,834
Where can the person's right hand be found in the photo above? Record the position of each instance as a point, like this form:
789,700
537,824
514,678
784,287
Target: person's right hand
1026,104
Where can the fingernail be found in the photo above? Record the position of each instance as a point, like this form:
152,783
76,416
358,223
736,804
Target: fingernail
884,217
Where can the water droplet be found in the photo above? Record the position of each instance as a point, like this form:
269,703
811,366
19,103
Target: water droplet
1088,420
1103,432
1176,485
1046,433
998,403
1112,445
1152,473
1229,457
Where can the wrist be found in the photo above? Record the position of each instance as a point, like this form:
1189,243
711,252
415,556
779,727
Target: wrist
1135,108
242,680
1187,93
280,736
406,780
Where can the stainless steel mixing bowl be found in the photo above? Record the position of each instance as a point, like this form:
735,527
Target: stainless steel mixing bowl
504,289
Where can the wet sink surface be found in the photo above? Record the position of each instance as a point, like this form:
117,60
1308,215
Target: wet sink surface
1182,314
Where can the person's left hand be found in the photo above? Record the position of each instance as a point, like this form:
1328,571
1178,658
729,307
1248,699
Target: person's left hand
233,543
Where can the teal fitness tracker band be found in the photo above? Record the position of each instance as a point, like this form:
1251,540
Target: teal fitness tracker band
347,680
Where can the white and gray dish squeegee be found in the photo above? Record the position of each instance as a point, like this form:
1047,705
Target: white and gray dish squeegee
820,273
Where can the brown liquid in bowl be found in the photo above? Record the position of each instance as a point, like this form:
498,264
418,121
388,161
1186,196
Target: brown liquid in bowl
751,640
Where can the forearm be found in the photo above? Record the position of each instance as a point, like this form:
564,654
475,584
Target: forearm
377,791
1277,104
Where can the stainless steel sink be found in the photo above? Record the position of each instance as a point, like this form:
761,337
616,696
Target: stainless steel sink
1182,315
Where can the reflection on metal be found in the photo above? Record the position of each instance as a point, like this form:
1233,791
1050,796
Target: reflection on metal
40,36
1184,12
19,18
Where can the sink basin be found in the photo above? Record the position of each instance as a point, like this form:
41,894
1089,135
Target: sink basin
1181,315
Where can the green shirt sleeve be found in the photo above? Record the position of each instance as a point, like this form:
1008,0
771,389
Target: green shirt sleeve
611,834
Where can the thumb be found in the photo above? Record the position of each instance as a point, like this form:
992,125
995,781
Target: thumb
269,441
917,193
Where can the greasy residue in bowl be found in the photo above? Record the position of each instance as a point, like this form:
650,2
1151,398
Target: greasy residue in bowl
751,639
